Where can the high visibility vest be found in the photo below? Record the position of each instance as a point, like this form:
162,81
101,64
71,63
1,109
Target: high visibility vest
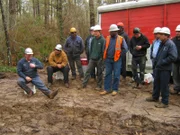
118,46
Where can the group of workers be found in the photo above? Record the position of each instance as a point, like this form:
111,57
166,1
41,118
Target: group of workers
109,54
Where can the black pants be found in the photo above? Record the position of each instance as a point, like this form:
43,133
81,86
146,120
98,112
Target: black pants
64,70
141,63
72,60
161,85
123,69
93,74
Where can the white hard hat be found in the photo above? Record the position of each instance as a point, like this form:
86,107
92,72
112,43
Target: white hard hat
58,47
28,51
97,27
92,28
178,28
165,30
113,27
156,30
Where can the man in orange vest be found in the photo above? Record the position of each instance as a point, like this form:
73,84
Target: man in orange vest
115,45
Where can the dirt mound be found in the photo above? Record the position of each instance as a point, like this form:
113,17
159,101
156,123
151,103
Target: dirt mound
78,111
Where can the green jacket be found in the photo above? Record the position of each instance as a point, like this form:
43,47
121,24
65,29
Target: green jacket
97,48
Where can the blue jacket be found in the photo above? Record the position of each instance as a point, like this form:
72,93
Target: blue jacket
23,68
166,55
74,47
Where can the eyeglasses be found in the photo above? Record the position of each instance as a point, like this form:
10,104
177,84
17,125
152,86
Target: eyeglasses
73,32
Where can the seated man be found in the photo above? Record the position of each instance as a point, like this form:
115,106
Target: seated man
27,71
58,62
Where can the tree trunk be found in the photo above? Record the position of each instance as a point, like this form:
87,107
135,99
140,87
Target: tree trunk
92,14
46,12
6,34
12,13
60,19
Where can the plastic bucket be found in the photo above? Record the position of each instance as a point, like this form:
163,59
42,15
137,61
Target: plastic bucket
84,63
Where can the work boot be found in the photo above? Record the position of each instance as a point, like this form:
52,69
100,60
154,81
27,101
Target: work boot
84,86
161,105
49,85
98,88
73,78
151,99
114,93
30,94
52,94
173,92
67,85
103,92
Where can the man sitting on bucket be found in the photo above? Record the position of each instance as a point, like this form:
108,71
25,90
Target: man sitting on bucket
27,70
58,62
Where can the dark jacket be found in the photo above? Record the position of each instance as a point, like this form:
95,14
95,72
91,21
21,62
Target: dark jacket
126,37
177,43
74,47
87,44
97,48
166,55
24,69
142,41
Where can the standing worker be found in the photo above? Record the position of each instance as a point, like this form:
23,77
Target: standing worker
166,55
88,47
176,64
122,33
58,62
74,47
95,58
27,70
155,46
138,48
115,45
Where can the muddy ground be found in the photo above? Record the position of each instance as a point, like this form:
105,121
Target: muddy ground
84,112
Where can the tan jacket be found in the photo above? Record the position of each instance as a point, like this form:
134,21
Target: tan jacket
58,59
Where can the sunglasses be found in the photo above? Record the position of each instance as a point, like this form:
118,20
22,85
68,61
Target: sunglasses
73,32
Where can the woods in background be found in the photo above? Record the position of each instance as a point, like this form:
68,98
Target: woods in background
40,24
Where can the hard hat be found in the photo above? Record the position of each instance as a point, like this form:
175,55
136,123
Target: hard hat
165,30
156,30
113,27
178,28
58,47
73,29
92,28
28,51
136,30
120,24
97,27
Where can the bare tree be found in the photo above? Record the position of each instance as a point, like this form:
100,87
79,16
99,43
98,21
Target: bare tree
12,13
6,34
60,18
46,12
92,14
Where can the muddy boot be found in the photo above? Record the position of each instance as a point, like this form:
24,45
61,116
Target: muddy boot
52,94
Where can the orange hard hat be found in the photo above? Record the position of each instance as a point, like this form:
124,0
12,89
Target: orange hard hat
120,24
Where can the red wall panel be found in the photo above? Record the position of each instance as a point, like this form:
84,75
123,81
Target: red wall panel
146,18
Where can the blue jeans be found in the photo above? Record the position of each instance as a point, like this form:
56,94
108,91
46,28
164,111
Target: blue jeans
161,85
114,68
36,81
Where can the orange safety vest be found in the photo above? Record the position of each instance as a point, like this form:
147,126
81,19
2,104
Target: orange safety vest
118,46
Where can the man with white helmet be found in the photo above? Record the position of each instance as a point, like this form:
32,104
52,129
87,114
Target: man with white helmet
176,64
115,45
166,55
88,47
58,62
95,57
138,48
74,47
27,70
155,45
